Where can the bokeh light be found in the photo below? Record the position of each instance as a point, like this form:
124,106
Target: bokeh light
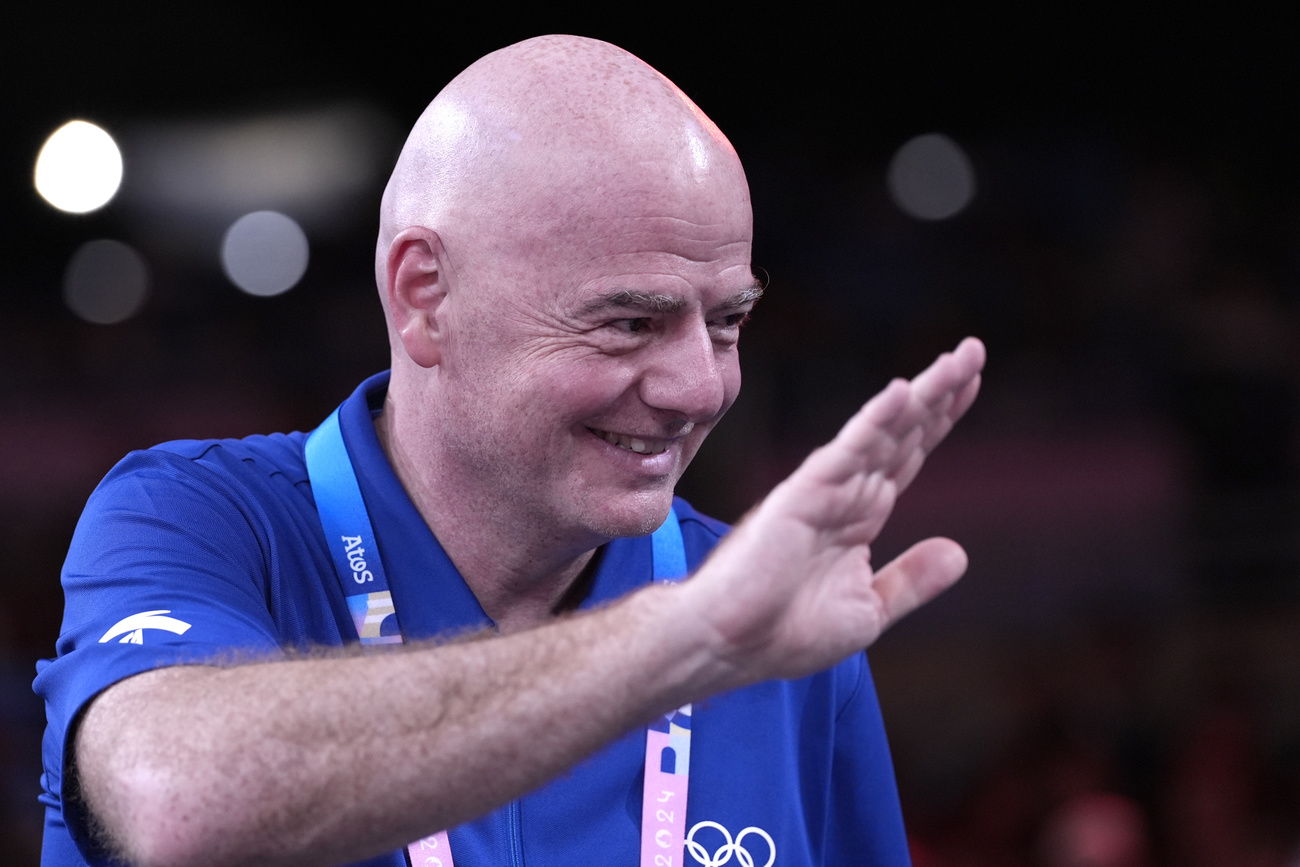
264,253
106,282
79,168
930,178
318,164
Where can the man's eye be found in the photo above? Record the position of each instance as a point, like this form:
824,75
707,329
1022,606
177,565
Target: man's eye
631,326
734,320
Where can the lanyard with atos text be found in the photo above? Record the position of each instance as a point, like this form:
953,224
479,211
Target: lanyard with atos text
360,572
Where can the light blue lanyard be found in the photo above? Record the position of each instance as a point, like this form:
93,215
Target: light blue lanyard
350,537
360,571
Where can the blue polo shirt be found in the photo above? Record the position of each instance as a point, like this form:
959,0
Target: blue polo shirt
192,550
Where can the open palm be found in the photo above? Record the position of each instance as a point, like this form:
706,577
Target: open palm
792,589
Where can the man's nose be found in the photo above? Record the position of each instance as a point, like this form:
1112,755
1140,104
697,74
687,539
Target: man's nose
688,375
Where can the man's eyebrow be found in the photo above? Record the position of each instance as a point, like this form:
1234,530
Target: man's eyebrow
748,295
653,302
623,299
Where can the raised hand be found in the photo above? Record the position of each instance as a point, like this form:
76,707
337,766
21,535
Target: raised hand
792,590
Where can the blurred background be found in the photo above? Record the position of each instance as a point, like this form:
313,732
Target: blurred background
1111,202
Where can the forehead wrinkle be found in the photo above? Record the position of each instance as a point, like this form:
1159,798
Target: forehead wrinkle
589,234
575,220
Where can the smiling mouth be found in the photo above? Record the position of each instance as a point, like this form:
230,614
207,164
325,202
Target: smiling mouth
640,445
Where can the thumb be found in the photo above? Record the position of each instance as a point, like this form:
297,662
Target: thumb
918,575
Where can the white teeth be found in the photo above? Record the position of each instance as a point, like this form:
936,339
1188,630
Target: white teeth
632,444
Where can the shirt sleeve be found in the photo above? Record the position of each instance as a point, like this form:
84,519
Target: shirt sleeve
167,566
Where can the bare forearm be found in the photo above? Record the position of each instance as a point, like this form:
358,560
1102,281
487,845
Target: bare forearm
339,759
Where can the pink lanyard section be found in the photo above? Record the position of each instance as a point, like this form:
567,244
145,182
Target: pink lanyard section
663,805
432,851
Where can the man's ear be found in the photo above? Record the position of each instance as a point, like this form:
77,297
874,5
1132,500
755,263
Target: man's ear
417,287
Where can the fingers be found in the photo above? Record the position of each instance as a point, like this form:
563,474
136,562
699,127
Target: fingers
894,430
918,575
950,372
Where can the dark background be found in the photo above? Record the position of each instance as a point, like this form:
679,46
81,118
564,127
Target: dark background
1126,639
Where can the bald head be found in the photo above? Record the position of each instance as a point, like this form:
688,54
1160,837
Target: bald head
537,138
564,258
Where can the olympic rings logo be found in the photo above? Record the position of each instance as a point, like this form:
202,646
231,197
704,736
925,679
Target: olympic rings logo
723,853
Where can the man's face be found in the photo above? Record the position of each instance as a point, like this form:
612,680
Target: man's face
588,358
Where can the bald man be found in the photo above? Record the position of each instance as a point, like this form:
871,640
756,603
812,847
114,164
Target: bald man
564,263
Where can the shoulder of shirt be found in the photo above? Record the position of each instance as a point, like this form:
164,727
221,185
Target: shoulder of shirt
259,455
274,448
695,521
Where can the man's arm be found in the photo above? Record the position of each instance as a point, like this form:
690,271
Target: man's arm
328,760
336,759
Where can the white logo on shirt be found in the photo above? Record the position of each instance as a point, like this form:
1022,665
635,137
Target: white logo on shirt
729,847
135,625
